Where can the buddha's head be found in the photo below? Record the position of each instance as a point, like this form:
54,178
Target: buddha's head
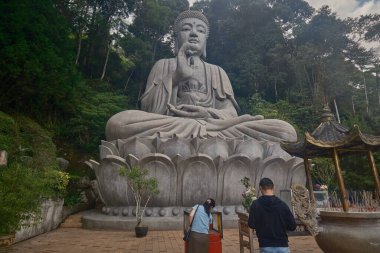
191,27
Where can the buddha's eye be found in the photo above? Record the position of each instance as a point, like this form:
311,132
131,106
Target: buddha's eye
186,28
201,29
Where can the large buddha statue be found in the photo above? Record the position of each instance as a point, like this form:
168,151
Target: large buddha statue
188,97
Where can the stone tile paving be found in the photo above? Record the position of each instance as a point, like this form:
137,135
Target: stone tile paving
76,240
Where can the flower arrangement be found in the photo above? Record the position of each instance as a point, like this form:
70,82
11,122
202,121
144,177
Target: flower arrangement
324,187
249,194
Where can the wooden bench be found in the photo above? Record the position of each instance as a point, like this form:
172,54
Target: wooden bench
245,233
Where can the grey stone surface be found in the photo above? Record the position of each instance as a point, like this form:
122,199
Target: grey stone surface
3,158
93,219
184,181
52,216
188,97
63,164
189,136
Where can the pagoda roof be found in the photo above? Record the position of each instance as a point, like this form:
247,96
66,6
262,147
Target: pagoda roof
331,134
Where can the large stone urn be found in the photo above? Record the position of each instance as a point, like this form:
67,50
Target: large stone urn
349,232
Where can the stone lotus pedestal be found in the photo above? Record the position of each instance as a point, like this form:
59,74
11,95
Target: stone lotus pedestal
190,170
349,232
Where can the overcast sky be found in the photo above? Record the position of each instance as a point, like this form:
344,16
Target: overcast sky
349,8
345,8
352,8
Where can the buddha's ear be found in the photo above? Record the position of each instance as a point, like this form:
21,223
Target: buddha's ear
176,47
204,51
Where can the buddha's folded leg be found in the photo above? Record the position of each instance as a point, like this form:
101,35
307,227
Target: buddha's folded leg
268,129
134,123
265,129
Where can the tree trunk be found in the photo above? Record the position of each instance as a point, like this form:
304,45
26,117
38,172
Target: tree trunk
154,51
353,105
129,78
336,110
366,93
86,60
308,80
378,85
106,61
80,34
79,47
275,88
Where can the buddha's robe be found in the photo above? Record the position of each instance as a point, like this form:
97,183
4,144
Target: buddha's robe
216,95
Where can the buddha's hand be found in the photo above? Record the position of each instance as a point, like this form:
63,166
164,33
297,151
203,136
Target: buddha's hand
189,111
184,60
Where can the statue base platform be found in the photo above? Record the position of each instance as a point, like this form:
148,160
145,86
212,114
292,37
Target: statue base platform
95,219
190,170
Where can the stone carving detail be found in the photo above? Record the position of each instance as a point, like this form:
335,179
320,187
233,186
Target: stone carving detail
190,136
197,176
3,158
161,167
192,172
234,169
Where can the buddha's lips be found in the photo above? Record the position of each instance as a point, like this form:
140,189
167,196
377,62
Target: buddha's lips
193,41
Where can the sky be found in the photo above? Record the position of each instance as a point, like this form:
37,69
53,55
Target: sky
348,8
345,8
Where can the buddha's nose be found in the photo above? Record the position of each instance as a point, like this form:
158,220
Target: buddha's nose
193,33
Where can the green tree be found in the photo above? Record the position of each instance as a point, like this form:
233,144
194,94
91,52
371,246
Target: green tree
36,73
150,39
249,40
87,126
320,51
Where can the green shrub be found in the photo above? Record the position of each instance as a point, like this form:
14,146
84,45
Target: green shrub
21,189
55,183
31,174
9,134
37,142
73,198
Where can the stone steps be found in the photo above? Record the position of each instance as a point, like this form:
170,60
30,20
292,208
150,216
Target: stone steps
72,221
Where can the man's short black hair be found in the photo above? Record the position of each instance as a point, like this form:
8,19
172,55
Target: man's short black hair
266,183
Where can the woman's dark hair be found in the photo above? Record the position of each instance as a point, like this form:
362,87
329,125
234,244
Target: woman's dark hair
208,204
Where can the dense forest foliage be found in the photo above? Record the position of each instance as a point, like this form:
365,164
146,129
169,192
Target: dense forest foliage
71,64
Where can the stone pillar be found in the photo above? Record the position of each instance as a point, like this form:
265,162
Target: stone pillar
3,158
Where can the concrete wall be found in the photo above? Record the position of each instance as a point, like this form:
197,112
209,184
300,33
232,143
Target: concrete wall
52,216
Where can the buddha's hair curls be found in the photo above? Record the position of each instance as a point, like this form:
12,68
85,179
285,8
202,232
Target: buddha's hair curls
191,14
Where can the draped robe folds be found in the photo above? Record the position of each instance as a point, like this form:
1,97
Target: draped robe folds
218,99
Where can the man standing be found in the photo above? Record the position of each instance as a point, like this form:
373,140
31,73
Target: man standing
271,218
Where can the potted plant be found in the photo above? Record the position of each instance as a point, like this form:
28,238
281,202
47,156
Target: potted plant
143,188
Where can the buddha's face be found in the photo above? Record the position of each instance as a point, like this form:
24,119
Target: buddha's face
194,32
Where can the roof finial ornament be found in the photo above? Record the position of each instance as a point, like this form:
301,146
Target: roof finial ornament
327,115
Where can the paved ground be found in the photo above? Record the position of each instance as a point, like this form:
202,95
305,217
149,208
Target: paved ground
77,240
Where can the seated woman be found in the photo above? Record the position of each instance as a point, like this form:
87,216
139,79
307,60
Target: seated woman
187,97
